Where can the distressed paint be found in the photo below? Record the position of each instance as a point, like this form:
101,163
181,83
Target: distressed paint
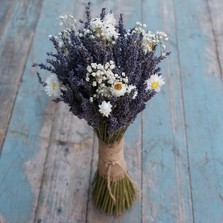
16,196
22,143
6,12
65,179
215,8
203,112
166,182
14,48
2,219
42,178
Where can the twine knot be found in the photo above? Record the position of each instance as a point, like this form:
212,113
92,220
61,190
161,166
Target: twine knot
111,163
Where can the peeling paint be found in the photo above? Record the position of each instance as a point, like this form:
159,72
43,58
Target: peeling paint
2,219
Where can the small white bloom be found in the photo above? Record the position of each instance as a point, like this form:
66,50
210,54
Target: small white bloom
94,65
112,66
68,22
135,94
110,19
52,87
132,88
154,82
89,69
125,79
105,108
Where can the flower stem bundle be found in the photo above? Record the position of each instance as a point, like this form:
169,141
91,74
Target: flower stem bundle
123,190
113,189
106,74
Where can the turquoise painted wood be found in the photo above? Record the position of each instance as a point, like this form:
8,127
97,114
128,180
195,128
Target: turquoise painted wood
173,149
166,181
202,90
14,48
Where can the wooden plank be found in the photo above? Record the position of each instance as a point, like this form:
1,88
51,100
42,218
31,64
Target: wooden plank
214,10
65,182
32,117
63,196
202,92
166,182
21,164
131,11
7,8
14,48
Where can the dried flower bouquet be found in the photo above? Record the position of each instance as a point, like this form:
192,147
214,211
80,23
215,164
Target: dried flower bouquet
106,74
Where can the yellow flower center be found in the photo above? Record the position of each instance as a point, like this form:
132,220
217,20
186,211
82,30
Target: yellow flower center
118,86
54,86
150,46
155,85
98,31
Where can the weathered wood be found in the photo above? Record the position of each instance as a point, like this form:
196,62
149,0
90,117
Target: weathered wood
6,12
202,92
49,156
32,117
166,182
21,157
215,17
65,182
63,195
20,22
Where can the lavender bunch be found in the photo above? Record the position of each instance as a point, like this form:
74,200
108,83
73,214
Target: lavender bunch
105,73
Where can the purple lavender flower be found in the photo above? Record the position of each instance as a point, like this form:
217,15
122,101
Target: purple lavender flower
106,74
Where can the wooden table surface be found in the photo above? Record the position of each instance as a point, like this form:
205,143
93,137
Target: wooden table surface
174,150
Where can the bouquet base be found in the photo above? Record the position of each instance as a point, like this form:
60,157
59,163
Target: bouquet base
123,190
113,190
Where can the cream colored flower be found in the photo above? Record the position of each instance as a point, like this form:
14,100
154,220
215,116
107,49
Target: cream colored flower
154,82
105,108
52,87
118,89
105,29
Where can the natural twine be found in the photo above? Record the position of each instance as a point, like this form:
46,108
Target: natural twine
111,164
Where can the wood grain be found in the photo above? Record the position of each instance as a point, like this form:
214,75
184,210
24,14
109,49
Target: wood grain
214,8
203,108
166,181
15,45
65,179
49,156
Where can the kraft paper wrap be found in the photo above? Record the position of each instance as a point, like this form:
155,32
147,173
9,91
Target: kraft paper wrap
111,163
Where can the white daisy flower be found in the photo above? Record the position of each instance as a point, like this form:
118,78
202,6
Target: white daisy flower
154,82
105,108
52,87
119,89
